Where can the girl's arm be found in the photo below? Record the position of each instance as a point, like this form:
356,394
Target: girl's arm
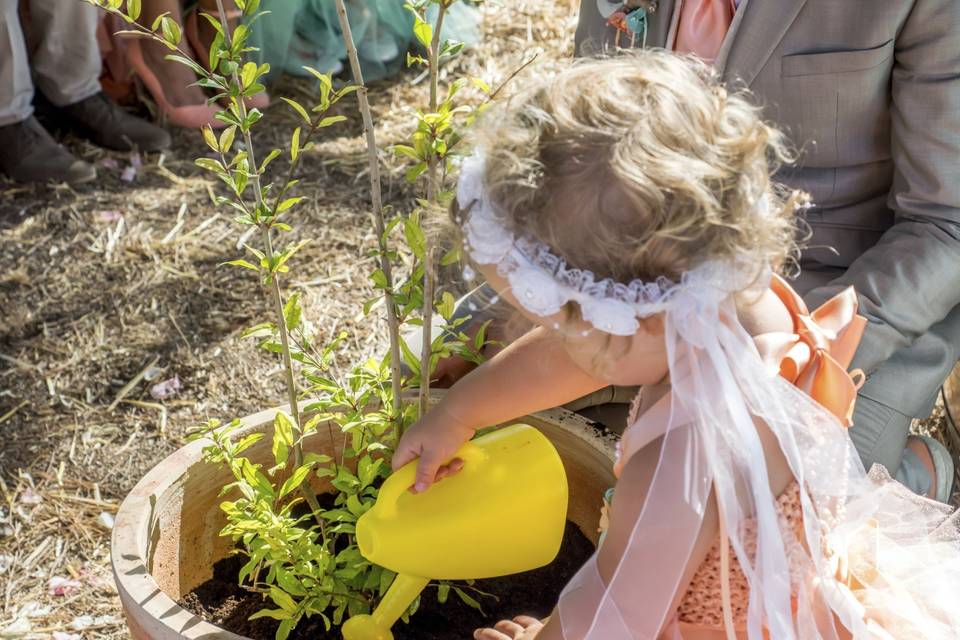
532,374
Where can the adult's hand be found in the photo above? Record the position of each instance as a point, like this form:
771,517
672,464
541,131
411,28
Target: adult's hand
449,370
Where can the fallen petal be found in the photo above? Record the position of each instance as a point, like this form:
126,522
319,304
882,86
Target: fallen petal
82,622
165,389
29,496
60,586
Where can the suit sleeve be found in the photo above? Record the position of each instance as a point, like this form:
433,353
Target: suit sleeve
910,280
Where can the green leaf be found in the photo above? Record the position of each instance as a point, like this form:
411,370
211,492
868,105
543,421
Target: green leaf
248,75
367,470
345,481
406,150
331,120
283,426
295,145
276,614
469,601
413,59
443,592
244,264
270,158
295,480
210,165
247,442
379,278
187,62
326,81
386,579
289,583
423,32
133,10
447,305
293,312
171,32
450,257
289,202
451,48
258,331
480,84
415,171
283,631
355,506
158,20
210,137
280,446
415,236
411,359
316,458
226,139
217,45
296,106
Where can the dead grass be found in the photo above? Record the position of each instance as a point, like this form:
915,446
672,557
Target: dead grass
111,288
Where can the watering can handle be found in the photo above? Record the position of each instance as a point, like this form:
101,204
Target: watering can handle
404,477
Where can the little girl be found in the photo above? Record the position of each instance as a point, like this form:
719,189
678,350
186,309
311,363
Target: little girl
625,207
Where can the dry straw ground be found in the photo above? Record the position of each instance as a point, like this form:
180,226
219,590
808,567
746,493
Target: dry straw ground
109,289
107,285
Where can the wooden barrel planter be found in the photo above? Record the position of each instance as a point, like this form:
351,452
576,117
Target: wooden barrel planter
165,540
951,401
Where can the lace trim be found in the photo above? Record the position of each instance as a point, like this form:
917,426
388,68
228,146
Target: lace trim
543,282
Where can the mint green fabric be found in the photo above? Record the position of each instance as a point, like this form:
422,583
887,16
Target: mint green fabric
300,33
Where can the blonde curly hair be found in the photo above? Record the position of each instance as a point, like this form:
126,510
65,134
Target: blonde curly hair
639,166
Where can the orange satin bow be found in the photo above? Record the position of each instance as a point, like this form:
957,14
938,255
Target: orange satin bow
816,356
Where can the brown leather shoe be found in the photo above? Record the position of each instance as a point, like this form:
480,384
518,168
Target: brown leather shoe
29,154
104,123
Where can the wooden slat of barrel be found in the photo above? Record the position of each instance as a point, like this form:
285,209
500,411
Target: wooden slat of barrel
951,396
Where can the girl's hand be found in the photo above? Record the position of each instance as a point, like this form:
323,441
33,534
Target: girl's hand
434,439
520,628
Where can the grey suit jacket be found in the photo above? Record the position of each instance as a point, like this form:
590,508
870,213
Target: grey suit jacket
869,92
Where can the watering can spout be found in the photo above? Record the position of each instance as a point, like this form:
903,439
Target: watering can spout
513,474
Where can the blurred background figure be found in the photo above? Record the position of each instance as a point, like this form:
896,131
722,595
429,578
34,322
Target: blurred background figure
300,33
171,83
63,62
293,34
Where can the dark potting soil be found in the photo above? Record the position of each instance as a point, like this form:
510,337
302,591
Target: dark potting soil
221,601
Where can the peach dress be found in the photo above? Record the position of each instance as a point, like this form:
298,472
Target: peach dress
814,357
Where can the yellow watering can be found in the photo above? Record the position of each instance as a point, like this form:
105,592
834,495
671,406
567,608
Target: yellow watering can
503,513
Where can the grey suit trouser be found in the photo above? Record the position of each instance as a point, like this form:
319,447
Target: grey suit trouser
879,430
65,61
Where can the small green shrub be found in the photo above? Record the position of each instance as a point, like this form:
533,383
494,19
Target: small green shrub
301,555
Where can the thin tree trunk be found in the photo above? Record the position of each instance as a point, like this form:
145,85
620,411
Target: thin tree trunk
393,322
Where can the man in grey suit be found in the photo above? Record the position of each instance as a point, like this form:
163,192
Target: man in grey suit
869,91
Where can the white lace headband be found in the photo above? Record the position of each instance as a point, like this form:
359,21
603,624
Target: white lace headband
543,283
